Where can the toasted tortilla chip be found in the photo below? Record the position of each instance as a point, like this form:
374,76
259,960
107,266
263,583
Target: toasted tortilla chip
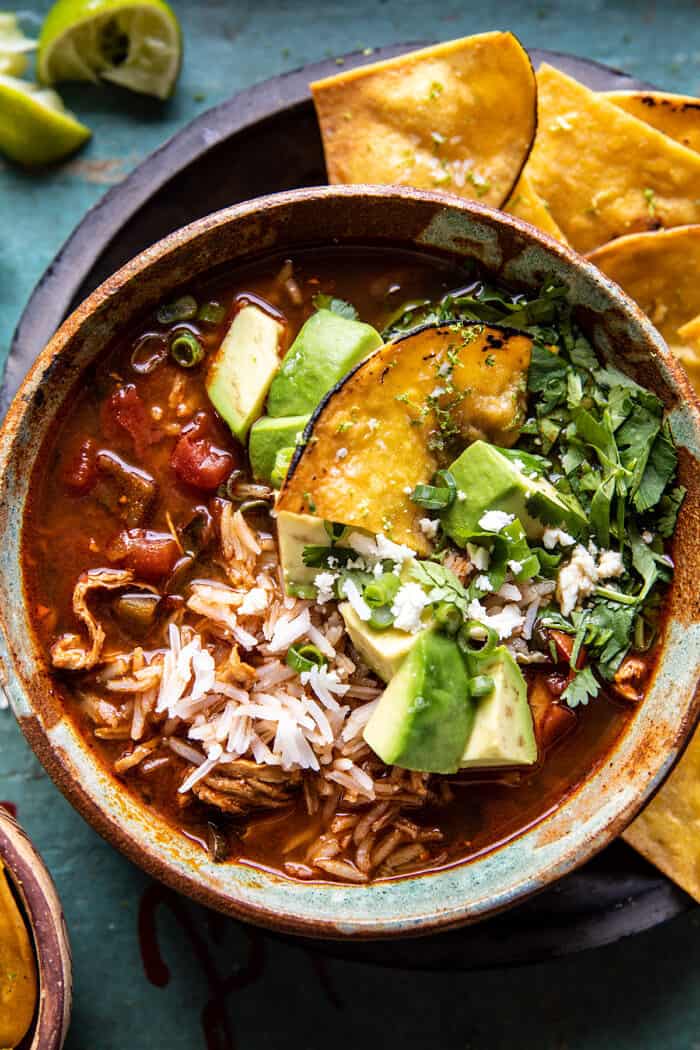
667,833
677,116
459,116
660,272
378,435
604,173
526,203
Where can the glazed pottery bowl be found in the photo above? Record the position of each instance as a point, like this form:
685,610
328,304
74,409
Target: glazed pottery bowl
614,791
37,897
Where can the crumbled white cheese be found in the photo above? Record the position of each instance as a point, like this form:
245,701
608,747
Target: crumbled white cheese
510,592
352,593
576,580
445,368
515,566
407,490
387,549
341,453
519,465
461,496
408,606
552,538
610,563
372,423
429,527
495,520
254,602
324,583
478,556
483,583
505,622
437,391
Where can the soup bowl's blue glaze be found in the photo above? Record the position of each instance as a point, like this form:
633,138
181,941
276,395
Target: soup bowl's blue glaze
623,780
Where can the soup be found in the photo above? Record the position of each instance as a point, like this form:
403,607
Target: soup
352,564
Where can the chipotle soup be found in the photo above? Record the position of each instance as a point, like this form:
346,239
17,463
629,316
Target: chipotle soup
353,564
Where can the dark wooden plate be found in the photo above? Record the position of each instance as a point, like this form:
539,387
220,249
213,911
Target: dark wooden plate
261,141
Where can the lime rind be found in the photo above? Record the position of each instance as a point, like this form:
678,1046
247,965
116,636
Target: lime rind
14,46
35,127
135,45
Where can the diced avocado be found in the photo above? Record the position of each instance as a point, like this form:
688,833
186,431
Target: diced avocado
490,480
267,437
327,347
283,460
425,714
382,651
294,532
503,733
243,367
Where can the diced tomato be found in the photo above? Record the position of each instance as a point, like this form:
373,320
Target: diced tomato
80,473
125,409
564,645
557,722
149,555
197,460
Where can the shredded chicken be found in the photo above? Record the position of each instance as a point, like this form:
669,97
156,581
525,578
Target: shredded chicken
69,652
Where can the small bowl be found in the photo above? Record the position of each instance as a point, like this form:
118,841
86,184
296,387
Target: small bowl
43,914
588,818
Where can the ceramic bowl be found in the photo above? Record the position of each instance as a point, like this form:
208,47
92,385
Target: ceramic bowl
614,791
39,901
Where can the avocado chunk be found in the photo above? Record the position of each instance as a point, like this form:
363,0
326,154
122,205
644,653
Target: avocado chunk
492,480
326,347
382,651
243,367
294,532
283,461
268,436
503,733
425,714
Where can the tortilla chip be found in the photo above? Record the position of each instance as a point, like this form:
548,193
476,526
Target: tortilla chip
659,271
525,203
604,173
677,116
667,833
18,982
459,116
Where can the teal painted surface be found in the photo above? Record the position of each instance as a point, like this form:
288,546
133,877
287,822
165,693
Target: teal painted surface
641,993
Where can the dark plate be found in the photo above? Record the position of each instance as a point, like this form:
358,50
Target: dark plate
261,141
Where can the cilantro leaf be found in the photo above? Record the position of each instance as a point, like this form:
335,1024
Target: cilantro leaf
322,301
582,687
660,469
545,367
669,507
442,582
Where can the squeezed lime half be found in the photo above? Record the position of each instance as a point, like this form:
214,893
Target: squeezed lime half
136,45
35,126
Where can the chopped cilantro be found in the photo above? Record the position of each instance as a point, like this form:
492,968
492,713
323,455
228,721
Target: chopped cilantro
583,687
322,301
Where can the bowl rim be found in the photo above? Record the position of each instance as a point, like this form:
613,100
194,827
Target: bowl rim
43,915
58,747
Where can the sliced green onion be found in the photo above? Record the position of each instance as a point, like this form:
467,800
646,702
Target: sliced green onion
382,590
448,617
305,657
183,309
211,313
381,618
335,531
444,479
481,685
186,349
471,642
432,497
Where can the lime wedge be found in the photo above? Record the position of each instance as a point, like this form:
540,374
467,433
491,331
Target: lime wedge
14,46
136,45
35,126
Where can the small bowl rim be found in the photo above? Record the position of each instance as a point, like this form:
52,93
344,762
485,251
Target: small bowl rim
43,915
63,762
